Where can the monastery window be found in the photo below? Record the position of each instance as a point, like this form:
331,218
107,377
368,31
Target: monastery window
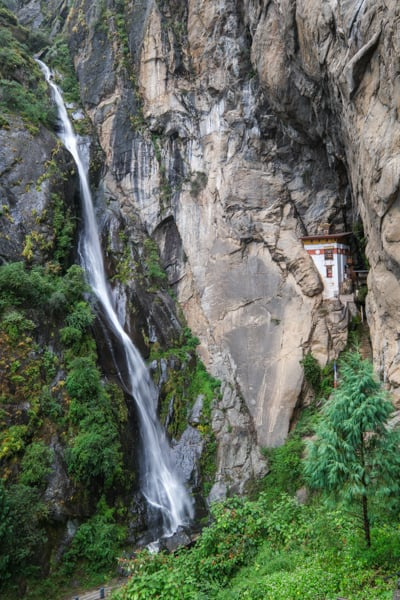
328,254
329,272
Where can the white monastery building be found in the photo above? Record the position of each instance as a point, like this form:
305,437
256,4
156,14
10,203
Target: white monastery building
331,255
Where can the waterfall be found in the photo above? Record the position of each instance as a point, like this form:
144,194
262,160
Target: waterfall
160,483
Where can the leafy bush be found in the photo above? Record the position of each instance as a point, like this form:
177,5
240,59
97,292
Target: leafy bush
96,541
312,372
81,317
52,390
36,465
95,453
15,285
5,533
259,550
60,59
285,467
12,440
23,534
14,324
22,87
14,97
83,383
38,288
77,322
64,227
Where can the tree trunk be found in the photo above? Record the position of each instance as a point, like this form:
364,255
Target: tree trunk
366,526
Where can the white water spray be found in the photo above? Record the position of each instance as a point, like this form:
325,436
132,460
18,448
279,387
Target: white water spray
160,484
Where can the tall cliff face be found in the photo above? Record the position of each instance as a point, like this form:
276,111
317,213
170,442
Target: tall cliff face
341,64
229,130
226,186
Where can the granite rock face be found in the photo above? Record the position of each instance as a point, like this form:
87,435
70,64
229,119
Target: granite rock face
229,130
33,170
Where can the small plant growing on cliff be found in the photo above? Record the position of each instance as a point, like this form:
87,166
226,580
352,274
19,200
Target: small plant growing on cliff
152,260
312,372
356,455
60,59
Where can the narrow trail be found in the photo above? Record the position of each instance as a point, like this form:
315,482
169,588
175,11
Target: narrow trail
98,593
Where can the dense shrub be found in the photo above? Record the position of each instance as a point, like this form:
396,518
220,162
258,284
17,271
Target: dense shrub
22,534
257,550
40,288
96,541
36,465
312,372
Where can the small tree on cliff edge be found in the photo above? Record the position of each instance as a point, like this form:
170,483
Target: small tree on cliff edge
355,455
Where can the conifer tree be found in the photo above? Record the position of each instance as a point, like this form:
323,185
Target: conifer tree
355,455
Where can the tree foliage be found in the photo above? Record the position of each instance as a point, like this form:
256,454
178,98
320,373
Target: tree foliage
22,534
355,454
95,454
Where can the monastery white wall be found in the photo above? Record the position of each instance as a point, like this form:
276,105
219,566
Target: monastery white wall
338,263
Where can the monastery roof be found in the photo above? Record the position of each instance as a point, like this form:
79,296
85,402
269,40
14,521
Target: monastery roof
325,236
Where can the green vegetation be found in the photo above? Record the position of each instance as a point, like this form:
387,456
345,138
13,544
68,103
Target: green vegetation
36,465
273,550
22,533
319,378
126,264
23,90
355,456
312,372
165,186
59,58
174,20
57,242
286,467
123,262
154,270
188,380
94,457
112,24
53,390
96,542
273,546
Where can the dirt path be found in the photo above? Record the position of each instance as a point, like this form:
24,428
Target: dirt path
98,593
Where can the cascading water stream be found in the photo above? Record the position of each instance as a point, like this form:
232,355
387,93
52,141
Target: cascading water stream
160,483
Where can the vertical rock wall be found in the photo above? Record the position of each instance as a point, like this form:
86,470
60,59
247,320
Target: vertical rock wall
341,62
202,159
231,129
